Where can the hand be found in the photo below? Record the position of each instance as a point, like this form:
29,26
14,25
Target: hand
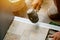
56,36
36,4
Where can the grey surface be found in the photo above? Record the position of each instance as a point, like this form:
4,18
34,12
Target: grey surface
5,21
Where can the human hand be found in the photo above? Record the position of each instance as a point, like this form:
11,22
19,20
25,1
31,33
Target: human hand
36,4
55,36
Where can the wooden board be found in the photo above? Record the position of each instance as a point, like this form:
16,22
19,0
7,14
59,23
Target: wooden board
24,30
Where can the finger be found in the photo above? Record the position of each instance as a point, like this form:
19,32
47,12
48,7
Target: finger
34,5
55,38
38,7
58,38
51,36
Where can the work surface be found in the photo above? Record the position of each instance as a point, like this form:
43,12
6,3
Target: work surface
25,30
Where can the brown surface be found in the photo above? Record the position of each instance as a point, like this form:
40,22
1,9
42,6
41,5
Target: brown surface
22,12
18,8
